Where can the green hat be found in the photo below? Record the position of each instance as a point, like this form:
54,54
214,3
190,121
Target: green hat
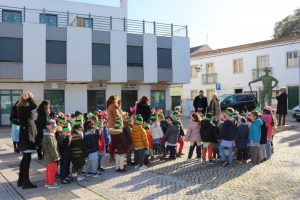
77,122
161,115
146,125
79,117
61,120
66,128
229,111
89,115
119,122
173,118
208,116
98,124
139,119
127,119
153,117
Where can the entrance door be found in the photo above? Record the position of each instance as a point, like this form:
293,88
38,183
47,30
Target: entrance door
96,100
128,99
175,101
158,99
7,99
293,97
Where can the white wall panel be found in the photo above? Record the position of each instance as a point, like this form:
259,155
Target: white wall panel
76,98
181,60
144,90
118,56
79,54
34,52
113,89
150,58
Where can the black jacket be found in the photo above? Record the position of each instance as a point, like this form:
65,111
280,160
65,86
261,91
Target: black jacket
64,146
207,132
264,133
91,141
228,131
24,114
78,150
127,133
164,126
41,123
200,103
242,136
14,115
144,110
282,104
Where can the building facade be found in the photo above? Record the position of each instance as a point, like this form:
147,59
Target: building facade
76,55
234,67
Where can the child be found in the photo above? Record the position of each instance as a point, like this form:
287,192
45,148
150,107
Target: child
78,149
164,126
119,143
254,137
157,134
149,151
106,137
139,142
193,136
101,146
216,133
227,137
64,141
180,140
241,140
127,131
268,118
91,141
208,138
171,136
51,156
263,138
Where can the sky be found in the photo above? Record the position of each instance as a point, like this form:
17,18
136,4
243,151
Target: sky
218,23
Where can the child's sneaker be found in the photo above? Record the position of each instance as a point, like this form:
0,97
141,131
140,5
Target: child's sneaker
229,165
101,169
210,162
89,174
199,159
65,181
96,175
80,178
54,186
46,185
225,164
203,161
189,160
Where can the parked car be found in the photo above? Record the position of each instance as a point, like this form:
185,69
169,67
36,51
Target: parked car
240,102
296,113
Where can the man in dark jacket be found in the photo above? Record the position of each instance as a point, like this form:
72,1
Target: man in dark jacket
281,106
200,103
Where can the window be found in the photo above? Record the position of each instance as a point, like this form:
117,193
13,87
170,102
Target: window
57,99
210,68
262,62
194,72
164,58
292,59
84,22
12,16
209,94
96,100
238,66
48,19
101,54
11,50
158,99
56,52
7,99
135,56
194,93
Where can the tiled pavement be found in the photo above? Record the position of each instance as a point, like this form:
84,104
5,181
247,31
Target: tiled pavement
277,178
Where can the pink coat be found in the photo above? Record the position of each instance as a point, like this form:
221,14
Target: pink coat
268,119
193,132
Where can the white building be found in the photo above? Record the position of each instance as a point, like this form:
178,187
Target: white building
76,55
234,67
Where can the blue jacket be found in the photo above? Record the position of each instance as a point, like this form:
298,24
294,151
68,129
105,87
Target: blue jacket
91,141
255,131
242,136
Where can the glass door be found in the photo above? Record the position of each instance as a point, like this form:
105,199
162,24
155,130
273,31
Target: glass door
7,99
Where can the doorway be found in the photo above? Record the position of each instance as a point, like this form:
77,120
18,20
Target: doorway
96,100
7,99
128,99
293,96
175,101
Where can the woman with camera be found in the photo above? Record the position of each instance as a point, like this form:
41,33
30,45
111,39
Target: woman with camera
27,136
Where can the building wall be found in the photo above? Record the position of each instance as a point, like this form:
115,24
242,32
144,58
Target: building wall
76,98
223,66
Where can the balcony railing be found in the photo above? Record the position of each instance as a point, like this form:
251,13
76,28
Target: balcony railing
102,23
209,78
258,72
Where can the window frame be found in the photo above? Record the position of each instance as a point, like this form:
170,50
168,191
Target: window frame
51,103
47,15
171,62
297,59
242,68
264,55
136,64
12,11
213,67
103,46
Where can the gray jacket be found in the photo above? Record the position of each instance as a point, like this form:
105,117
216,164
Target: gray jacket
172,134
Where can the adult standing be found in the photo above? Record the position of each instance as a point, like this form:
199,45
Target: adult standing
214,106
200,103
281,106
28,133
15,127
143,108
113,110
43,112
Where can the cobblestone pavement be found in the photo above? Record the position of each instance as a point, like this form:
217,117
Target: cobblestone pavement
277,178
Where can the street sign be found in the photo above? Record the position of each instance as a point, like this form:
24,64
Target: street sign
218,86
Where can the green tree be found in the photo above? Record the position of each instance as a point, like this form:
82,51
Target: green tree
289,26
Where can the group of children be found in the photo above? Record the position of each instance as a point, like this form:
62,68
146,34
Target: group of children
232,136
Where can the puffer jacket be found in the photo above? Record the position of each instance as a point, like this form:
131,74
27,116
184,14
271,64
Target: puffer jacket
78,149
255,131
49,145
139,137
91,141
172,133
193,132
156,131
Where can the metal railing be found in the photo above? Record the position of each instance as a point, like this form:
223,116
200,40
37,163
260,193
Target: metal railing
102,23
258,72
209,78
